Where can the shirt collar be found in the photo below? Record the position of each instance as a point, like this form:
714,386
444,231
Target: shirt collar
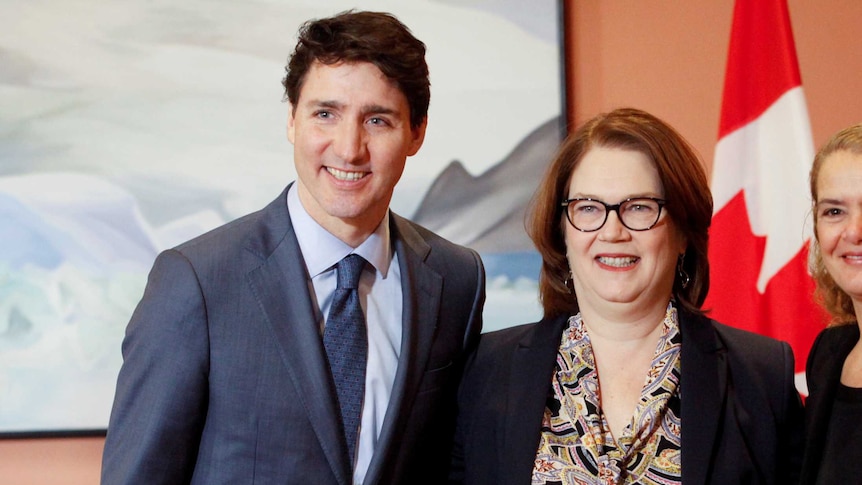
321,250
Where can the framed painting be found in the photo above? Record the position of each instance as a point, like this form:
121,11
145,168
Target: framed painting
129,127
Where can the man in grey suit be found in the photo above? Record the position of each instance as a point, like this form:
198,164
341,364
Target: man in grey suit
226,378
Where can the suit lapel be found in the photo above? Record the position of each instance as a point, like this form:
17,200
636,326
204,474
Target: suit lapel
528,383
704,394
280,285
421,289
828,376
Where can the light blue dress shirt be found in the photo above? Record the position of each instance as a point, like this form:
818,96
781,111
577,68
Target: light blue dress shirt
381,299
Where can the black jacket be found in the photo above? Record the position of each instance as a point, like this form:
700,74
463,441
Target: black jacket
823,371
741,415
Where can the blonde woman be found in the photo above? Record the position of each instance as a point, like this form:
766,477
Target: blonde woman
834,368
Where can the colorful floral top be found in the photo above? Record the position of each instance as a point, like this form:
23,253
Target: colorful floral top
576,446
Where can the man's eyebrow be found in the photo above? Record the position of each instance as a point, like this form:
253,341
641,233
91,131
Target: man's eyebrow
378,109
323,103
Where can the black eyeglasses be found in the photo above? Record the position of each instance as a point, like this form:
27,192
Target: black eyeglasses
637,214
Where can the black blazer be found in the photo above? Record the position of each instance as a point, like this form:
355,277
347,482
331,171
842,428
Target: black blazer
741,415
225,379
823,372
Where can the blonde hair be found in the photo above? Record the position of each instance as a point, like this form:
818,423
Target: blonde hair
828,294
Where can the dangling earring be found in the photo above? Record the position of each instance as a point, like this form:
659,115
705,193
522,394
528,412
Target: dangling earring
569,284
684,279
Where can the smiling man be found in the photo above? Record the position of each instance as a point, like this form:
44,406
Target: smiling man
253,357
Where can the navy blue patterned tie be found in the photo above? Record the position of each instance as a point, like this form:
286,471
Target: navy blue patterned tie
346,341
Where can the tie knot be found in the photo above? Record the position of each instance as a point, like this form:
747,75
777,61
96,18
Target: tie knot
349,271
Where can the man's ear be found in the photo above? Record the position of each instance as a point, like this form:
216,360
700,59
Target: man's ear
291,124
418,137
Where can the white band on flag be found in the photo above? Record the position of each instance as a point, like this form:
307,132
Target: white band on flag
769,159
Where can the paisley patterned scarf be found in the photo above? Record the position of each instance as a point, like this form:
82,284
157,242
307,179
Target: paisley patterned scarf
576,445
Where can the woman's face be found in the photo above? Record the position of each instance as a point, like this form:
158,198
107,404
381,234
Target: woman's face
839,221
614,264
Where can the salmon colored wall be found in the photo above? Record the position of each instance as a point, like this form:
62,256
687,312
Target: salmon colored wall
665,57
668,58
69,461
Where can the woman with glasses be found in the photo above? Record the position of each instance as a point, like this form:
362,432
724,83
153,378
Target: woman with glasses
834,369
625,380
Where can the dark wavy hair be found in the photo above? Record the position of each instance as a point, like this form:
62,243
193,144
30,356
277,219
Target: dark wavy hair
375,37
689,202
830,296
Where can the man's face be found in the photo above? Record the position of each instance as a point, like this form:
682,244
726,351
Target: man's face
351,134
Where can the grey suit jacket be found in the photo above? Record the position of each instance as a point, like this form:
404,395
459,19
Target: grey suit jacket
741,415
225,379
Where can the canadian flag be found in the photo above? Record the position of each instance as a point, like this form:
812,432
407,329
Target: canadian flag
761,228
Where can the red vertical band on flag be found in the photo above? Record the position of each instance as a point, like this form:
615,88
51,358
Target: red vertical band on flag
761,62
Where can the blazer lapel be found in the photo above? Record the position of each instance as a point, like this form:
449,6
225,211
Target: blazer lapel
830,377
280,286
421,292
529,381
819,409
704,393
